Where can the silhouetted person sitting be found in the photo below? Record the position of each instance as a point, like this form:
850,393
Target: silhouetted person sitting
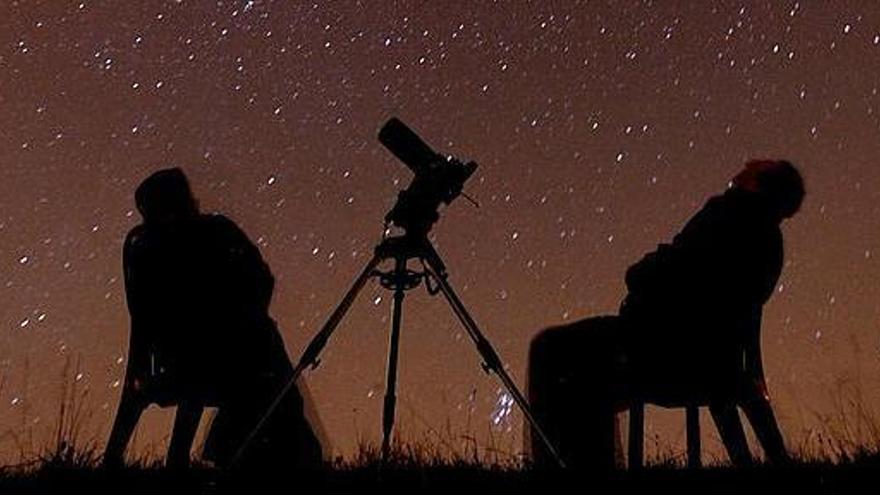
694,307
689,327
198,293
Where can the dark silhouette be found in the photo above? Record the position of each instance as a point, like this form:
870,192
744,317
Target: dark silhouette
198,293
688,332
577,382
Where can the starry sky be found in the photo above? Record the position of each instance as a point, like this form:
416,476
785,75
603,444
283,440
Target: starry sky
600,127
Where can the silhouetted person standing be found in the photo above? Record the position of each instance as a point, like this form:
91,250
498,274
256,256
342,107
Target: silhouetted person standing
198,293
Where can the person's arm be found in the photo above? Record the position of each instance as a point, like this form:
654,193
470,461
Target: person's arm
139,348
249,269
754,363
684,268
650,271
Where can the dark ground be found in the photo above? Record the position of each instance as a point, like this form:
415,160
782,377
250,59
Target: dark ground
858,475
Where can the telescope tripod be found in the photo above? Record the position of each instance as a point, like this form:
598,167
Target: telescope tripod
401,249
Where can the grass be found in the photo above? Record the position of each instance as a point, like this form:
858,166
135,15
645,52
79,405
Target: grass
826,466
841,455
413,469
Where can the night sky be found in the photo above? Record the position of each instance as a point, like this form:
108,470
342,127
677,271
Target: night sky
599,127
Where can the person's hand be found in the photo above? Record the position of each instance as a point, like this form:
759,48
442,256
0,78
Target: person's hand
136,384
761,388
139,387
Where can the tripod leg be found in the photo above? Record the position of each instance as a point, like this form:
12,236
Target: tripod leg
491,360
310,355
391,383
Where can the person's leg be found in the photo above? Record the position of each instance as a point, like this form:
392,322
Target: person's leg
542,395
186,422
292,440
285,441
127,415
731,430
220,440
760,415
572,380
591,435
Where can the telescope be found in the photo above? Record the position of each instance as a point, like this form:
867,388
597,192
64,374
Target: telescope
438,180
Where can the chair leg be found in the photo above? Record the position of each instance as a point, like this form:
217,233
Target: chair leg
619,459
186,423
636,435
693,437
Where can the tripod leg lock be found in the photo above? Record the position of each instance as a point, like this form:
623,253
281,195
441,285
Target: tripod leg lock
491,359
